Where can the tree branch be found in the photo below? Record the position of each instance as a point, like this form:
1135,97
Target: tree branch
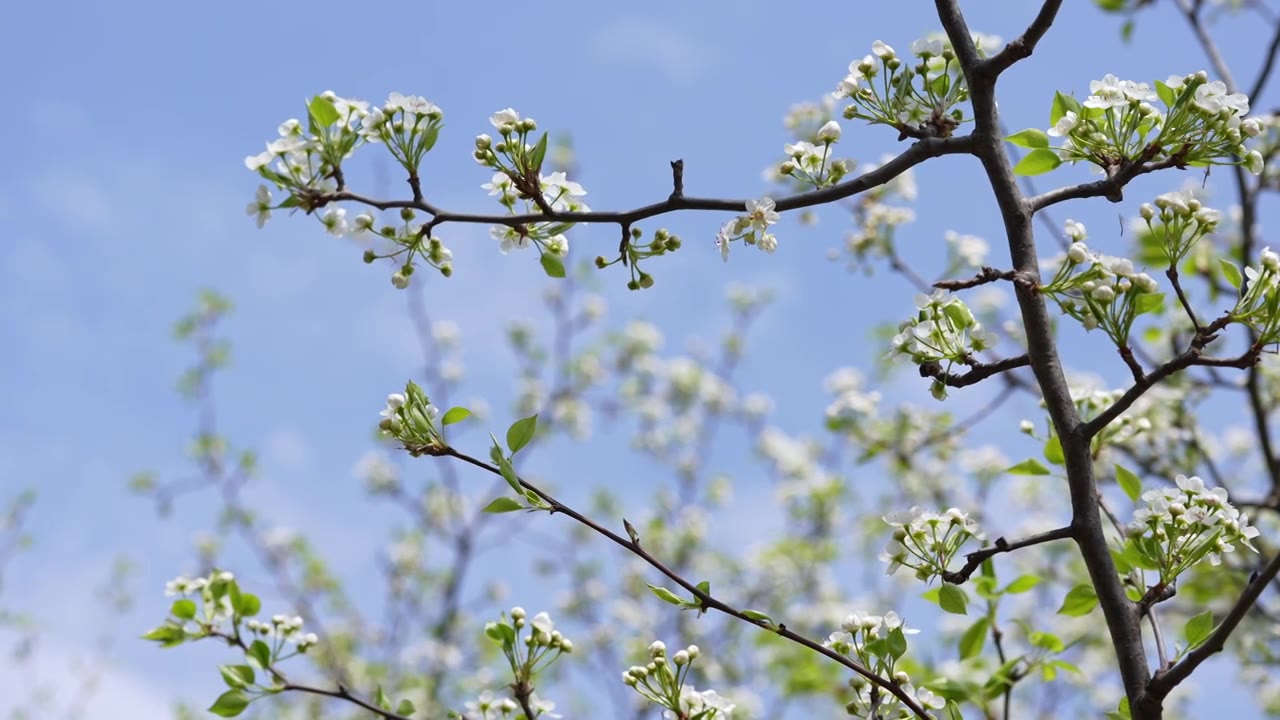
978,371
975,559
1023,46
705,599
1016,213
1164,682
1111,187
917,153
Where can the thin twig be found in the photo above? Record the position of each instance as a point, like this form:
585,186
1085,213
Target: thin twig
705,600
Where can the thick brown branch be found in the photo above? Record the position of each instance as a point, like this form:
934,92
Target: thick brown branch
1022,47
1017,212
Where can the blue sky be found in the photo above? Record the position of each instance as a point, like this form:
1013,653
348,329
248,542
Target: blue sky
124,193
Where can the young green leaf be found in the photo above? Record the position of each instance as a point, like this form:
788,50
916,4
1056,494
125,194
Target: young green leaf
1053,451
552,265
503,505
183,609
1028,467
1231,272
457,414
168,635
237,676
1128,482
521,432
666,594
260,653
1081,600
406,708
323,111
230,703
1198,629
974,638
1037,162
952,599
1022,584
1029,138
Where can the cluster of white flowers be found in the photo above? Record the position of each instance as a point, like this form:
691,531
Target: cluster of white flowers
919,96
284,628
1180,221
662,682
519,177
1101,291
809,161
926,542
1259,303
751,228
1203,122
944,330
1179,526
877,642
411,418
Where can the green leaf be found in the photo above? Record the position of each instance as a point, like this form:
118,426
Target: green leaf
168,635
1128,482
260,653
1022,584
380,699
429,138
974,638
1062,104
236,676
1053,451
508,474
1167,94
457,414
1081,600
230,703
1028,467
1029,138
539,152
1047,641
1148,302
248,605
552,265
323,111
407,709
503,505
952,599
666,594
521,432
897,642
500,633
704,586
1198,629
183,609
1231,272
757,615
1037,162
